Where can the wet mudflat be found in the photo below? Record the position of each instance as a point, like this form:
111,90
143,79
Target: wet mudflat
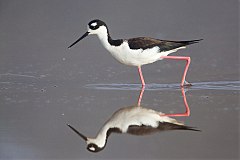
44,86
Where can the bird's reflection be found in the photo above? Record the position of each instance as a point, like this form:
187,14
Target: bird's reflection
135,120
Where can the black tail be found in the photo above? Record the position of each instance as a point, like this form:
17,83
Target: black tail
166,45
190,42
171,126
186,128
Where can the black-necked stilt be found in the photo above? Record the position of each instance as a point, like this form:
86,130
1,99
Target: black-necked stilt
132,120
138,51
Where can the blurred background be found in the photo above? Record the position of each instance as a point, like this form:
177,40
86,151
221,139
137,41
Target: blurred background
42,83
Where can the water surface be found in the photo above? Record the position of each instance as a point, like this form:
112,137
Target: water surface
44,86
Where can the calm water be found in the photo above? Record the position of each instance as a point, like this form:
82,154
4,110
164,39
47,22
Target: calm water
44,86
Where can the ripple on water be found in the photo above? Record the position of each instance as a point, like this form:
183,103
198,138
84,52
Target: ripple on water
217,85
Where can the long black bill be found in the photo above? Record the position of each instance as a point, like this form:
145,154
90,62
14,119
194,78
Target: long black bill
83,36
76,131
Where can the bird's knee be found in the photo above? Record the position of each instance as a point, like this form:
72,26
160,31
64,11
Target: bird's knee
188,59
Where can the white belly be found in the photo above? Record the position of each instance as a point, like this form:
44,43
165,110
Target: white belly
137,57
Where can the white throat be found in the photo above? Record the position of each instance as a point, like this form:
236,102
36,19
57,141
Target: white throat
100,139
102,34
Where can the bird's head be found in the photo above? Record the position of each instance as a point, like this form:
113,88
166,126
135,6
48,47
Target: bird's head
96,26
92,145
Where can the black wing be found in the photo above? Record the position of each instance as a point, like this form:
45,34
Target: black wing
163,126
164,45
141,130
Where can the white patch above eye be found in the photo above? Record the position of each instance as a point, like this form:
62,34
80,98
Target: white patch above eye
94,24
92,148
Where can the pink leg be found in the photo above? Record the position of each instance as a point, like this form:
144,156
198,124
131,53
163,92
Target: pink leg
140,96
141,75
187,112
188,59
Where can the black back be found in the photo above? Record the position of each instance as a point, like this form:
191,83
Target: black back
163,126
164,45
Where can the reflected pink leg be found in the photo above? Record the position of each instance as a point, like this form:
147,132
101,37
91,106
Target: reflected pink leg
187,113
140,96
141,75
188,59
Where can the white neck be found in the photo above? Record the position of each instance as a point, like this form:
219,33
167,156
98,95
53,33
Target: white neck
100,139
103,36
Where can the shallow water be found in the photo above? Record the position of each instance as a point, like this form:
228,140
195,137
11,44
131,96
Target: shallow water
221,85
44,86
34,117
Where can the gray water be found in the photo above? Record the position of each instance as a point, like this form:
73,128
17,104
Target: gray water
44,86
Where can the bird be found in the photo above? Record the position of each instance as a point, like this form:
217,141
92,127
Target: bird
138,51
133,120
